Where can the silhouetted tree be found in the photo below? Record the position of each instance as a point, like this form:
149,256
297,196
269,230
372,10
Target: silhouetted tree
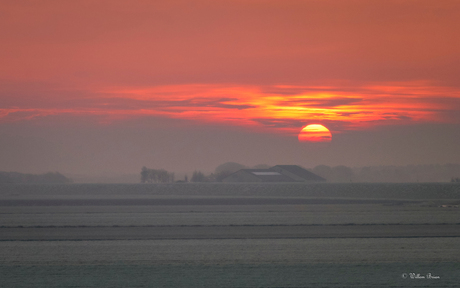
220,176
144,174
229,166
156,176
198,176
342,173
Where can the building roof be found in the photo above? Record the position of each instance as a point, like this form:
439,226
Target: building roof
300,172
278,173
267,175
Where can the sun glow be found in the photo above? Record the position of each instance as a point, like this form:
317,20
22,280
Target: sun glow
316,133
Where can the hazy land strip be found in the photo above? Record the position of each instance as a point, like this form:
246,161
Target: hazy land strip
228,232
198,201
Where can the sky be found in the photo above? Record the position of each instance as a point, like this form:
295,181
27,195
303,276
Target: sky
97,86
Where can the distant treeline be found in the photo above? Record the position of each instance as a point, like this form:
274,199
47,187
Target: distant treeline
394,174
156,176
409,173
50,177
162,176
222,171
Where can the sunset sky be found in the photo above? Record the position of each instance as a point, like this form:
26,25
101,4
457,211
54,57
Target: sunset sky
97,86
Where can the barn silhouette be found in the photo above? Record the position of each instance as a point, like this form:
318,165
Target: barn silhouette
278,173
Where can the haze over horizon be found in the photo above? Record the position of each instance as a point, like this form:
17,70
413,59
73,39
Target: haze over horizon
92,87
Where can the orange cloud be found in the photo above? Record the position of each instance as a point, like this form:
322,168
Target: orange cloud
120,59
280,108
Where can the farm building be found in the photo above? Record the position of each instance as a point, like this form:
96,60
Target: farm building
279,173
297,173
256,175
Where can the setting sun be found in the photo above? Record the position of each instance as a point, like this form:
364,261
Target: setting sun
315,133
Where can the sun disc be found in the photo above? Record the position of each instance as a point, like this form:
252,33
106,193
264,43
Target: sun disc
315,133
